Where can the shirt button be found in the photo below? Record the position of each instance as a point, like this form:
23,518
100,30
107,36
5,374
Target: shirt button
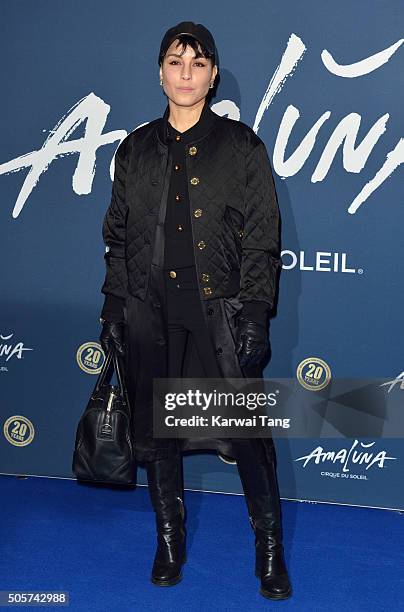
207,291
201,244
180,228
173,274
210,311
219,350
197,212
178,138
194,180
192,150
176,167
178,197
205,277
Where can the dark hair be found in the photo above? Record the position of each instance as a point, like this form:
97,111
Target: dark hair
200,51
185,40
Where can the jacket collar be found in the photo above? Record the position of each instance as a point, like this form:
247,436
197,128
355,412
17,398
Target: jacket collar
166,132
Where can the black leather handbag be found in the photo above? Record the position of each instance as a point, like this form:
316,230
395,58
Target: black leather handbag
103,448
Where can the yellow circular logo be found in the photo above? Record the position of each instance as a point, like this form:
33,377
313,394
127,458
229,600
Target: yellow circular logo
90,357
19,430
313,373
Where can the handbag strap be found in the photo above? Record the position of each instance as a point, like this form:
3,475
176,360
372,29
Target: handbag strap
120,376
106,372
105,375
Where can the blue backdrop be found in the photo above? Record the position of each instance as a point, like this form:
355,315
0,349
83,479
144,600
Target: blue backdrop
321,84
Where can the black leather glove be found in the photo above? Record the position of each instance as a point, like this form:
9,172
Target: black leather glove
252,342
113,336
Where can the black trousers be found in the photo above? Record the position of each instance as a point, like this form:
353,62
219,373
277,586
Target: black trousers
185,317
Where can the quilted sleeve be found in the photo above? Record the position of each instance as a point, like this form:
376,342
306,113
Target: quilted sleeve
114,231
260,243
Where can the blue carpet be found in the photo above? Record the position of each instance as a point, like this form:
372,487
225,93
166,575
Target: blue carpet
98,543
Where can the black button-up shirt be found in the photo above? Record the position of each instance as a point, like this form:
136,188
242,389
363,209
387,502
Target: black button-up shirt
179,247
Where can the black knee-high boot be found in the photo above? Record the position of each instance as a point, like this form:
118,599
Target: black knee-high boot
166,494
256,463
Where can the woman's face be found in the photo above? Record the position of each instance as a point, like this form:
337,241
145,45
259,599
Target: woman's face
186,79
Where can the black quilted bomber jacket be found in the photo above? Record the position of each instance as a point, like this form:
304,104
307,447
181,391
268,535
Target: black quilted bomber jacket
235,229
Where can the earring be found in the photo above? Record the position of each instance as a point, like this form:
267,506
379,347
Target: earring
211,85
161,81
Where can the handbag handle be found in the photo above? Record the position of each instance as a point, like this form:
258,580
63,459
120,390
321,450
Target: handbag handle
119,374
106,374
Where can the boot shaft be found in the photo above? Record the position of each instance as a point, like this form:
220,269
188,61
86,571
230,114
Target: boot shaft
165,485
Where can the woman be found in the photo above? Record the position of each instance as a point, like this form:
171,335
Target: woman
192,255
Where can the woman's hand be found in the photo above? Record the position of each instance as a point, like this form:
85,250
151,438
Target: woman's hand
252,342
113,336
